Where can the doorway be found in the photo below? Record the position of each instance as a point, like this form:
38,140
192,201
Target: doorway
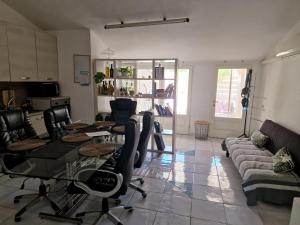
227,113
183,101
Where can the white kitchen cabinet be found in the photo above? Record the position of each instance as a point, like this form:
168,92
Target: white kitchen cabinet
4,63
46,47
22,53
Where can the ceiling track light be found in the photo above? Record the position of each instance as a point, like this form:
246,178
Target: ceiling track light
147,23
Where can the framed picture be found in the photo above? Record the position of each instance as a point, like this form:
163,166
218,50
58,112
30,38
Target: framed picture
82,69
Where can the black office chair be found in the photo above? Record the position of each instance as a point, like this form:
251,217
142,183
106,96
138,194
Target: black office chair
148,120
121,110
111,183
15,125
56,119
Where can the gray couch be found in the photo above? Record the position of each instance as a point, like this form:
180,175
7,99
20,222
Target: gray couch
255,165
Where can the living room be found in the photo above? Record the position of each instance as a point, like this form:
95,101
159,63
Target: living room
206,70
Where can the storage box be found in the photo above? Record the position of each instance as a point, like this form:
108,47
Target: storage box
159,73
201,129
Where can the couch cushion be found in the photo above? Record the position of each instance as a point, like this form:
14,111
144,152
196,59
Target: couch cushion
282,161
259,139
282,137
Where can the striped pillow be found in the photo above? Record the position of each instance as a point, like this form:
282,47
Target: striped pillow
282,161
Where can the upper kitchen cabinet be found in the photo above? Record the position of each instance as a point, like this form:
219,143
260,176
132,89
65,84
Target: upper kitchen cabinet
4,64
22,53
46,47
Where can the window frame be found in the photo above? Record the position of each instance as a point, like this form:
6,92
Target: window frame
231,67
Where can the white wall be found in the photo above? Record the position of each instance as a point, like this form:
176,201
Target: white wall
97,49
277,89
9,15
204,78
70,42
277,96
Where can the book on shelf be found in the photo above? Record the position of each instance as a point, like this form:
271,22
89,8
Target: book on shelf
164,93
163,110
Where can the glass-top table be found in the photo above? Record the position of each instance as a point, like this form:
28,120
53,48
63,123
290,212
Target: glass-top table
56,160
61,161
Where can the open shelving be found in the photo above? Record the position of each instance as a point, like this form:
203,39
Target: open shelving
143,80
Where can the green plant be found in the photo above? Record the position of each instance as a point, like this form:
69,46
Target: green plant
99,77
127,70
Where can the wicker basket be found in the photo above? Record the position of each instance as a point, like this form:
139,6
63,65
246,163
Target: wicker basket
201,129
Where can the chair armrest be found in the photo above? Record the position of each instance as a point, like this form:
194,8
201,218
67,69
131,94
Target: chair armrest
100,183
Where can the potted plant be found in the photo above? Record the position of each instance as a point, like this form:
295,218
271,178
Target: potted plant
99,77
125,71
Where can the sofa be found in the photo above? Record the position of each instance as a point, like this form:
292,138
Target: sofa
255,165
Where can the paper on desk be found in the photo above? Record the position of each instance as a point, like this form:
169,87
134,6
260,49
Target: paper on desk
97,134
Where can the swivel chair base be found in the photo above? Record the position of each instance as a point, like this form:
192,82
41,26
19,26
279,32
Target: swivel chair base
106,211
41,195
141,180
137,188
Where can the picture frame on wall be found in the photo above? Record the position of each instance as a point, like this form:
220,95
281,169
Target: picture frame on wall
82,69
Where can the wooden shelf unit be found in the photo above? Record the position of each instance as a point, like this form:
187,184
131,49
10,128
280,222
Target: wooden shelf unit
141,67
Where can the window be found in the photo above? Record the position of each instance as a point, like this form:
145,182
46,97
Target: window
182,91
228,97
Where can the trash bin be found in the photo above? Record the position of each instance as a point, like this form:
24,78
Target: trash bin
201,129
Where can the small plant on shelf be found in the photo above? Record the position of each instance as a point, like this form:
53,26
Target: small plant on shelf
126,71
99,77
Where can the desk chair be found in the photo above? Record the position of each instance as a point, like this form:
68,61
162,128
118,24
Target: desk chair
15,125
121,110
56,119
111,183
148,120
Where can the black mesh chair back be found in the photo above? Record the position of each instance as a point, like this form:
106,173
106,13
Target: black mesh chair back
122,109
148,120
125,161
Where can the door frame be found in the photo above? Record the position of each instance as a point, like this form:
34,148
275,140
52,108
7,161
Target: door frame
188,114
214,119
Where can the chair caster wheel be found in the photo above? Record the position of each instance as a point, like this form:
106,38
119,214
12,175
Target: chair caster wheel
17,219
144,195
227,154
130,210
142,182
16,201
80,215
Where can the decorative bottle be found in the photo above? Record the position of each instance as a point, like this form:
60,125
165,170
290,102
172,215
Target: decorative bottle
111,71
106,71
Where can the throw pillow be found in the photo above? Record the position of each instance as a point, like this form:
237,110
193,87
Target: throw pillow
282,161
259,139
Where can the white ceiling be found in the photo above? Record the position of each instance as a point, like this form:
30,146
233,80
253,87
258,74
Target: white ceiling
219,29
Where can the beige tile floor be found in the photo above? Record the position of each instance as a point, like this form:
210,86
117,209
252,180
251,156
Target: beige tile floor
196,186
